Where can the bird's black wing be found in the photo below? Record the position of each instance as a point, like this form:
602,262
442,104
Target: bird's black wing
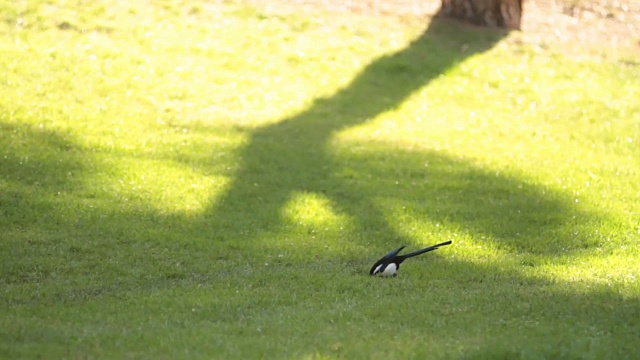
386,258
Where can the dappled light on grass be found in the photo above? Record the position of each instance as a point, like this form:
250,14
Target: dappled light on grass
452,194
169,187
594,271
313,212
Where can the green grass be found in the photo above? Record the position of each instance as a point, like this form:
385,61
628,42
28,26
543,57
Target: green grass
192,179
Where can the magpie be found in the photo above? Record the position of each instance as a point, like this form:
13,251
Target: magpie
390,263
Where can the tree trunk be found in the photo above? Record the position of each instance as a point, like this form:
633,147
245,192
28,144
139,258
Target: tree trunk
503,13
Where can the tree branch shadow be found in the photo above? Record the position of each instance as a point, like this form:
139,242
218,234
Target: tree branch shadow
292,155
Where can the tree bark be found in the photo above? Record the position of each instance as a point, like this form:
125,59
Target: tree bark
502,13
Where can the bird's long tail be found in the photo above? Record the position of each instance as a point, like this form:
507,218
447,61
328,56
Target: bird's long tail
427,249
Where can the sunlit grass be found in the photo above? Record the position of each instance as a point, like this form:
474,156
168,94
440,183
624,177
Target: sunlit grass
212,179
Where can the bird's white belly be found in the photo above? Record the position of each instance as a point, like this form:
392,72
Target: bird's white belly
390,270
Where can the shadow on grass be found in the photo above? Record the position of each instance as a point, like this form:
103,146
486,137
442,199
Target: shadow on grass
36,165
294,156
142,251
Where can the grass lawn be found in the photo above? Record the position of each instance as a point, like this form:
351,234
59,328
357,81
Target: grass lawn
213,179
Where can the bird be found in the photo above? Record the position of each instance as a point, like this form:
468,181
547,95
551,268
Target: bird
389,264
